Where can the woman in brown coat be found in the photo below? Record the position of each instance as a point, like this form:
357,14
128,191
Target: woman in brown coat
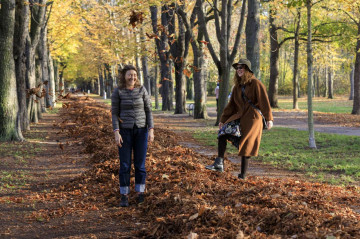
251,122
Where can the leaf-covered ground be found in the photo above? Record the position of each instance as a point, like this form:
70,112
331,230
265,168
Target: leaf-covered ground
182,198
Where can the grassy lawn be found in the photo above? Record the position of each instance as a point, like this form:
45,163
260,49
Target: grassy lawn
320,104
336,159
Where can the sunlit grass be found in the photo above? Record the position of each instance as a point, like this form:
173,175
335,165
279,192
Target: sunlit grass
320,104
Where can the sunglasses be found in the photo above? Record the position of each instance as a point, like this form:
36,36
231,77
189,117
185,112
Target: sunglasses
240,67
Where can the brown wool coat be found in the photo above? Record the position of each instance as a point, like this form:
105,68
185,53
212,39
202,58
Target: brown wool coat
250,120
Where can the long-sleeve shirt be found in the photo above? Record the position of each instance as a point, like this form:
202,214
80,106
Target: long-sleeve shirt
130,108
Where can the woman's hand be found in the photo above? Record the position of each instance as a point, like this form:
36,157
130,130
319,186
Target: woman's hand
118,138
221,125
270,124
151,136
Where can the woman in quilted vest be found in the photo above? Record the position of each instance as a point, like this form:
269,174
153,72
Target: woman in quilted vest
133,128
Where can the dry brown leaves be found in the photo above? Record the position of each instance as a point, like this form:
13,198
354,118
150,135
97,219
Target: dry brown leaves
346,120
184,198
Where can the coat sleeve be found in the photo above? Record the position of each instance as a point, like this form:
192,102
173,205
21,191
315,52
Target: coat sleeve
263,101
147,108
115,108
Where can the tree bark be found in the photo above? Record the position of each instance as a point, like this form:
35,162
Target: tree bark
52,85
312,143
101,82
356,104
189,88
317,80
156,91
274,61
351,97
179,49
144,62
56,78
9,116
61,79
325,81
163,53
296,62
330,84
37,19
109,80
44,60
252,30
40,100
21,32
200,111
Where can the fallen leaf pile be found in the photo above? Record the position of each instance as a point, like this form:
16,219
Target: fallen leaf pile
184,199
345,120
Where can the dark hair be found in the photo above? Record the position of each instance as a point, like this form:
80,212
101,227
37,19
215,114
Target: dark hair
122,82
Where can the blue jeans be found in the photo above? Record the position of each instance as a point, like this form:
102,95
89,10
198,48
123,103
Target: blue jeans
133,140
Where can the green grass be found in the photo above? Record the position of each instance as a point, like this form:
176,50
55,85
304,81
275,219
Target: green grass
337,105
12,179
336,159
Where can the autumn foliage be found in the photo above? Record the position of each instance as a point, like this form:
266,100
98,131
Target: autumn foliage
182,197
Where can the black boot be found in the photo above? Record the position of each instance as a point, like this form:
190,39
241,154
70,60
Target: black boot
124,201
244,167
218,165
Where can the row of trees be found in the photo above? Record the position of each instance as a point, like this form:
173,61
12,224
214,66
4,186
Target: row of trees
27,79
43,43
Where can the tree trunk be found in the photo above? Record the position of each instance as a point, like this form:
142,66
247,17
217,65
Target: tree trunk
296,62
252,30
189,88
52,94
325,81
356,104
145,69
144,62
138,67
43,55
274,61
330,84
317,78
106,82
9,115
21,32
101,80
156,86
163,53
312,143
56,78
200,111
109,80
61,79
40,100
37,19
171,85
178,49
351,97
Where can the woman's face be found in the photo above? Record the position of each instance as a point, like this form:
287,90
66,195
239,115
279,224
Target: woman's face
130,78
240,70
